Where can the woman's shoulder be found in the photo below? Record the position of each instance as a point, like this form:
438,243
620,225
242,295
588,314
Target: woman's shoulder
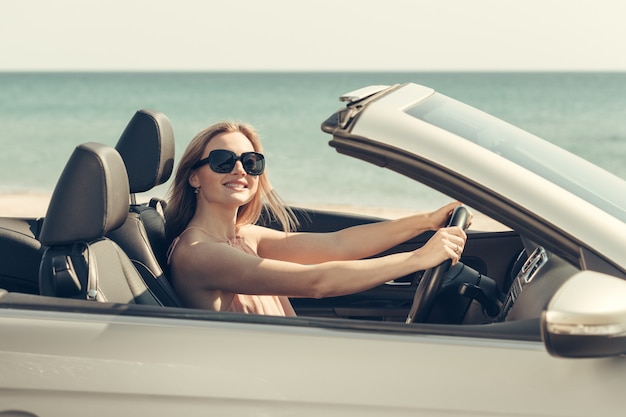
196,240
189,239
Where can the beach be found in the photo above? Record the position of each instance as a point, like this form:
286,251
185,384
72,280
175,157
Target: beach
24,204
287,109
40,134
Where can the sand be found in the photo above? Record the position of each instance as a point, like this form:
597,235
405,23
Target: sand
24,204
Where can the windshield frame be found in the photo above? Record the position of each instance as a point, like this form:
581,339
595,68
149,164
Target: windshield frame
562,168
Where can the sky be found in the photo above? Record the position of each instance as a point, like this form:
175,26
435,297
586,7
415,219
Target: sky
312,35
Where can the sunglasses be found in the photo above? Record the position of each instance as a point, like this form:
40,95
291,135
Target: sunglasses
223,162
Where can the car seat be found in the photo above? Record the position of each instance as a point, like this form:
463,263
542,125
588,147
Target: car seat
90,200
147,149
21,254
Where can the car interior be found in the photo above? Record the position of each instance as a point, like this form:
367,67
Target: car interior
99,251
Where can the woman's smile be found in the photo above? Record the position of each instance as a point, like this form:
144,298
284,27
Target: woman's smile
237,185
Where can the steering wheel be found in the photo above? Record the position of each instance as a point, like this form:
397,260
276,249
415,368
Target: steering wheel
430,283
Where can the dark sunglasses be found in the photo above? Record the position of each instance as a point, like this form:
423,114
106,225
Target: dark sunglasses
223,162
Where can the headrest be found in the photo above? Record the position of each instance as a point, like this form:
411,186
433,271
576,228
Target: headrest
90,198
147,148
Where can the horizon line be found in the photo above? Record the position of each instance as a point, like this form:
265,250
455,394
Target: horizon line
332,71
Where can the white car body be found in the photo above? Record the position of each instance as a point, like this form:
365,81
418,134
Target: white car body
561,355
57,364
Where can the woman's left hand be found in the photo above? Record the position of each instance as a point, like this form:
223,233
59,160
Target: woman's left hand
439,218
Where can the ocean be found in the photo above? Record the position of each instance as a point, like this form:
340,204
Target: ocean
43,116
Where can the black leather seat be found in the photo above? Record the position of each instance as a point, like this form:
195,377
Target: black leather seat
147,148
89,201
19,271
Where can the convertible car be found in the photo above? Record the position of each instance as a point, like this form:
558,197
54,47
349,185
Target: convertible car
532,323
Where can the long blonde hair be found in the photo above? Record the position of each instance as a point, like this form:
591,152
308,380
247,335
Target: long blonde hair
181,199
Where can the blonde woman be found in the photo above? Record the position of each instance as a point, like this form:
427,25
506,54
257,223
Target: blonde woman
220,259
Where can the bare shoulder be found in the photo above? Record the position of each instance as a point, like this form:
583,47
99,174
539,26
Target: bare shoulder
197,252
188,242
195,235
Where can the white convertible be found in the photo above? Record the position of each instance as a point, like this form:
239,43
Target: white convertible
90,326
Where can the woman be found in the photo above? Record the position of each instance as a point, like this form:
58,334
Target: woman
221,260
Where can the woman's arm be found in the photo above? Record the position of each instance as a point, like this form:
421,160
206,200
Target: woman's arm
355,242
208,266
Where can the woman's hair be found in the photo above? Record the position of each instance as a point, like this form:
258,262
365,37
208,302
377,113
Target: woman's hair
181,204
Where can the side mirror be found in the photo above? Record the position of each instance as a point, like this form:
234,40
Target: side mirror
586,318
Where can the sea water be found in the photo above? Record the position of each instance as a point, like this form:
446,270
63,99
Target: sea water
43,116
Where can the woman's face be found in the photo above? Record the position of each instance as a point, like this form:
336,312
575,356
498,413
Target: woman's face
235,188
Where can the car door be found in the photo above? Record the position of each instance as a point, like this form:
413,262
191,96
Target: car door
61,358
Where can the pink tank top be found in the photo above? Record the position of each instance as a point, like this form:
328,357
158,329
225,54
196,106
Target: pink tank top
271,305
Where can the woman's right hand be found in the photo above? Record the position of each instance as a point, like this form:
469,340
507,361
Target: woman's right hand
446,243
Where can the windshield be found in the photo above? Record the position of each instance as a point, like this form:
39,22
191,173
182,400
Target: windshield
555,164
